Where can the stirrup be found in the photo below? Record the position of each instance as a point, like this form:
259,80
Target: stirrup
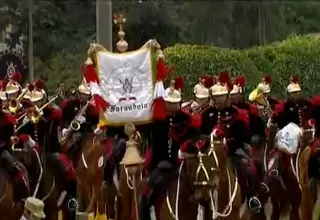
265,187
274,172
255,209
74,201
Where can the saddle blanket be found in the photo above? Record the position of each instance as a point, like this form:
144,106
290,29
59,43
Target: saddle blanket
287,139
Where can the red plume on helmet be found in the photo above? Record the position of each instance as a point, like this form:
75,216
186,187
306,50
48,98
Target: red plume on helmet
224,78
16,76
209,82
267,78
240,81
39,84
163,70
4,84
179,83
31,87
294,79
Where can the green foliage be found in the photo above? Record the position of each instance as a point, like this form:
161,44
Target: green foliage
297,55
63,67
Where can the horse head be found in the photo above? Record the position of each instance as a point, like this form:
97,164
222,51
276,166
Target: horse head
203,166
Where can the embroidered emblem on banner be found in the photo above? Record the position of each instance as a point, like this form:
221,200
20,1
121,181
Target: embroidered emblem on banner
126,83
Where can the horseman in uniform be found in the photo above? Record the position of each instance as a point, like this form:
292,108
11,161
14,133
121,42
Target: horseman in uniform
256,124
226,121
79,116
296,110
7,160
72,108
169,131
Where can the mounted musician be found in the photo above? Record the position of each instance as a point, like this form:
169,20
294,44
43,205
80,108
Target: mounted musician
14,94
169,131
262,99
230,123
79,114
39,124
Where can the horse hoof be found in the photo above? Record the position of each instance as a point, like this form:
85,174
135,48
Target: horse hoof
85,215
101,217
91,216
60,215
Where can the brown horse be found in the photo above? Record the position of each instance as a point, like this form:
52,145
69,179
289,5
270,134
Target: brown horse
286,196
10,208
179,196
7,207
216,186
89,169
309,182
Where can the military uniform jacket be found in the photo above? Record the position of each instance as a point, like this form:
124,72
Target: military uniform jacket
233,121
169,134
297,112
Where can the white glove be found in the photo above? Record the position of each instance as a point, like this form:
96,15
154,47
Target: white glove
81,119
64,132
97,131
269,123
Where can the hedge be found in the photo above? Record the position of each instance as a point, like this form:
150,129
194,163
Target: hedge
297,55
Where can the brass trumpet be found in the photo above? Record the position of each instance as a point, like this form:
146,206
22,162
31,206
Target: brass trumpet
14,104
35,114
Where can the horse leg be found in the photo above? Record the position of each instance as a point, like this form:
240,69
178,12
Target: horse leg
93,199
110,203
307,201
101,204
124,200
294,196
306,205
51,209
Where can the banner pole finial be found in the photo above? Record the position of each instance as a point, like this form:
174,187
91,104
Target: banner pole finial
122,44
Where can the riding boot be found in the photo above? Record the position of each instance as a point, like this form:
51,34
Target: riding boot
71,187
254,203
16,173
144,208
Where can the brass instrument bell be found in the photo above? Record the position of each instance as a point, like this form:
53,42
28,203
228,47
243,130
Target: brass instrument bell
132,156
75,125
14,104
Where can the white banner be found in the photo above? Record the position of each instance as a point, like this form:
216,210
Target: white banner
126,82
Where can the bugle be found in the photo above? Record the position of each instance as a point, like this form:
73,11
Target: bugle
14,104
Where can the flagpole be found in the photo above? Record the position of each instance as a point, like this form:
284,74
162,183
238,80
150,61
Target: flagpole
30,41
104,23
